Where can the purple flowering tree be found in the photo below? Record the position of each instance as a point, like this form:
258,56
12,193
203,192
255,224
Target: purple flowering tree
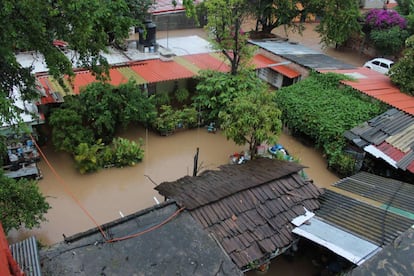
381,19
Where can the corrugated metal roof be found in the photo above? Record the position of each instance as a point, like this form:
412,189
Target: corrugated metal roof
394,153
380,87
374,224
26,255
386,191
156,70
261,61
207,61
391,134
341,242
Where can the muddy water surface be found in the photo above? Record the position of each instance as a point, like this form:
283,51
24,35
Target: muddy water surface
110,193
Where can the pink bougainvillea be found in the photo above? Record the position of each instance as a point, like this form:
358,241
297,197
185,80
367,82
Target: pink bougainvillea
379,19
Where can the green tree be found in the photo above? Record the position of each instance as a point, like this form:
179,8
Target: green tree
251,118
339,21
389,41
225,18
87,25
401,73
270,14
216,89
21,203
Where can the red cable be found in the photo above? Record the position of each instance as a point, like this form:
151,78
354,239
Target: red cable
62,182
149,229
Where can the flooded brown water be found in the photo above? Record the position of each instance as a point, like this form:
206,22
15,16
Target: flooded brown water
110,192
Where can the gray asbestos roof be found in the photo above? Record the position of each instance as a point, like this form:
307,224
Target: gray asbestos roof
300,54
179,247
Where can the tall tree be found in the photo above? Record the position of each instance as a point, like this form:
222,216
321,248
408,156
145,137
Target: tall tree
270,14
339,21
252,118
88,26
225,19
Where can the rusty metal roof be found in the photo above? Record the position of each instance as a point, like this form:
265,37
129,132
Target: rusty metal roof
379,87
390,134
247,207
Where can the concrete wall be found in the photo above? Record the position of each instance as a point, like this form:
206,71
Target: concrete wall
176,21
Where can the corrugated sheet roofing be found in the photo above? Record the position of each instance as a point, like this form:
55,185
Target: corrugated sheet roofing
377,225
248,207
391,133
378,86
261,61
26,255
149,71
157,70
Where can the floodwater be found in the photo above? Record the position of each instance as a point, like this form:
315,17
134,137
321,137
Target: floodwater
111,193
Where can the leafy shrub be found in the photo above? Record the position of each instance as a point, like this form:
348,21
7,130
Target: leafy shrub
389,41
86,157
162,98
167,120
380,19
126,153
188,116
401,73
323,110
182,95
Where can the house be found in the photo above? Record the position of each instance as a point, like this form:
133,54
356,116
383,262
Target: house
361,215
161,240
387,137
248,208
175,65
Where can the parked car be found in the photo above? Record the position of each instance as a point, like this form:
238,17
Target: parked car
381,65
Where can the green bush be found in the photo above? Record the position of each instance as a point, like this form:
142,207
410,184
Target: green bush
182,95
323,109
126,153
389,41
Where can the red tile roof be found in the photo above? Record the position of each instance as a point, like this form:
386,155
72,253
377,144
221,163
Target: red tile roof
261,61
378,86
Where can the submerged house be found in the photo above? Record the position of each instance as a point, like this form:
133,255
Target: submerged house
388,137
248,208
360,216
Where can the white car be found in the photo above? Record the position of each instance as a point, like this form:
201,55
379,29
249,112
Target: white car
381,65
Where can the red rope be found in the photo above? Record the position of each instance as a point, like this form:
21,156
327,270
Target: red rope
63,184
